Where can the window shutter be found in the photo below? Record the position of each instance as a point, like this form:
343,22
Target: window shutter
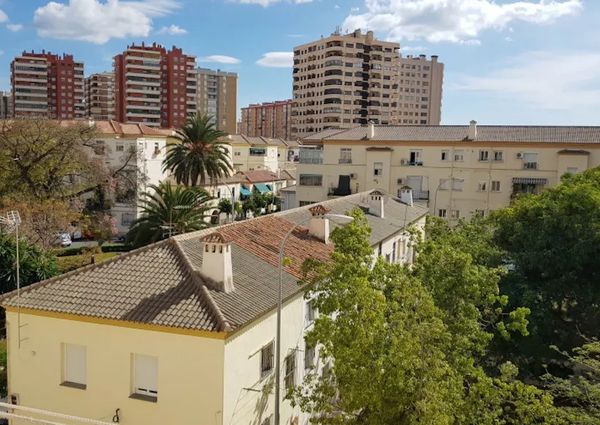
145,375
75,364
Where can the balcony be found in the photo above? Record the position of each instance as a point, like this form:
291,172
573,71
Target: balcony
530,165
420,195
411,163
311,156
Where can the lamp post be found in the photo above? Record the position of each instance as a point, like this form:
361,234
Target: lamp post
12,221
342,217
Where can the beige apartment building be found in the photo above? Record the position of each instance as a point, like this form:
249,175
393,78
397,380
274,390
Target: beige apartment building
346,80
100,96
154,86
269,119
458,171
217,97
47,85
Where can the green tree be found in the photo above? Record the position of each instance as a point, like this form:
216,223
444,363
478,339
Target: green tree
200,153
225,206
169,210
35,263
552,241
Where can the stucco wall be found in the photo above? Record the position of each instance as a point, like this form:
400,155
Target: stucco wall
190,370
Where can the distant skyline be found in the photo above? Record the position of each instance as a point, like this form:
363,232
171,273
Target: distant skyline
507,61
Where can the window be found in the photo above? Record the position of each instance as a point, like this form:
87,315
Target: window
530,160
459,155
482,187
455,214
305,203
74,366
378,169
484,155
266,359
445,155
345,156
495,186
457,184
120,148
290,370
498,156
310,180
442,213
309,313
309,356
127,219
415,157
479,213
258,151
145,377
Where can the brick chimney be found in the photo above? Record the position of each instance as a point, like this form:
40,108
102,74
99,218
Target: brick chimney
319,223
376,201
216,262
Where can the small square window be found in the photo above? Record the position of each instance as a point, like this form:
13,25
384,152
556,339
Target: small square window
74,366
266,359
442,213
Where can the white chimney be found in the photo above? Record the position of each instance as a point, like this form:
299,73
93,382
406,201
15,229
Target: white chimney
472,130
406,195
319,223
376,201
216,262
371,131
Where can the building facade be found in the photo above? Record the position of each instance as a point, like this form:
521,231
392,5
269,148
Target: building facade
154,86
458,171
217,97
269,119
5,105
100,96
262,153
420,97
346,80
47,85
85,343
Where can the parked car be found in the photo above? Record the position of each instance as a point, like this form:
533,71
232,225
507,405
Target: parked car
64,240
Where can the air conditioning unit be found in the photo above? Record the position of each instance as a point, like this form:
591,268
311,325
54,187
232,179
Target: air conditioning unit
520,155
399,181
353,176
404,162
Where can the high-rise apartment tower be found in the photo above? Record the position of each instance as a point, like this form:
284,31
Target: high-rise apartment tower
47,85
154,86
354,79
217,97
270,119
100,96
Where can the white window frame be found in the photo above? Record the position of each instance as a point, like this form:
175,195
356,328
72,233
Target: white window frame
310,353
74,373
442,212
290,365
378,169
484,156
495,186
264,351
309,313
145,387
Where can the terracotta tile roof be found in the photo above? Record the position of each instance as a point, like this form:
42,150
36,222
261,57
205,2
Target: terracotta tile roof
458,133
261,176
120,129
162,284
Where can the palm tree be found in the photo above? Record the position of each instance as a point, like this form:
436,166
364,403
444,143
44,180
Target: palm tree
169,210
201,153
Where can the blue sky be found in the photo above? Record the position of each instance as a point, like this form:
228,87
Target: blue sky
507,61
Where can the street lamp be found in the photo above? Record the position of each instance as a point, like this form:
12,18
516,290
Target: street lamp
11,221
344,218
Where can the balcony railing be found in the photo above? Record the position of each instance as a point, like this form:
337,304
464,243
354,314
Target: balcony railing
530,165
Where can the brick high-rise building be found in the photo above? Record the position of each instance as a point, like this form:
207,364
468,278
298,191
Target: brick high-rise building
346,80
47,85
270,119
217,97
154,86
100,96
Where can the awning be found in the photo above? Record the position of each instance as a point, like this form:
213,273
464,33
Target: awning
245,192
262,188
529,180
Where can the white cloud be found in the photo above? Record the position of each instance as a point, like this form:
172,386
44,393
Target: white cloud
172,30
277,60
14,27
546,80
266,3
413,49
454,20
98,21
229,60
3,16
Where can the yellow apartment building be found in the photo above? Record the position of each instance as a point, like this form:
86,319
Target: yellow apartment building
182,331
458,171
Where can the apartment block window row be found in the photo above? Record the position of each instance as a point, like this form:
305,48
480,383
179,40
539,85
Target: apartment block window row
144,372
310,180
